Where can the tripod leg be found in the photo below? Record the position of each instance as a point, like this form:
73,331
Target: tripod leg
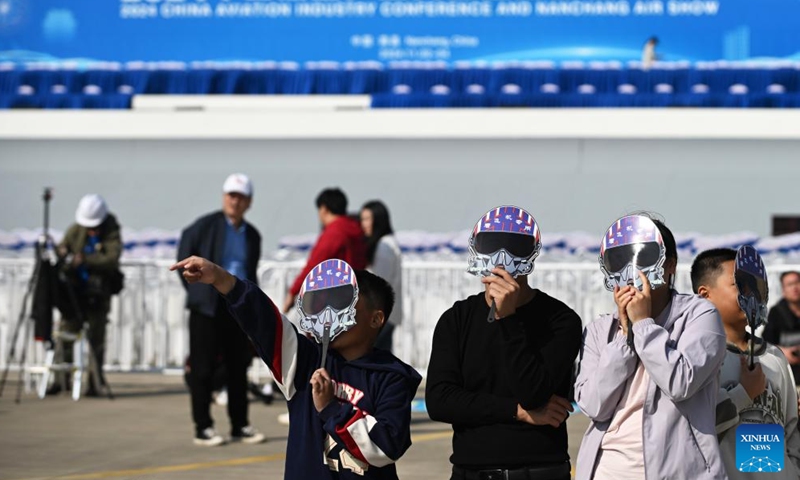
22,366
18,327
94,372
41,249
95,368
60,359
109,393
11,351
97,338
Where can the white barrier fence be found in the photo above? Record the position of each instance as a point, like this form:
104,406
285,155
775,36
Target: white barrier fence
148,325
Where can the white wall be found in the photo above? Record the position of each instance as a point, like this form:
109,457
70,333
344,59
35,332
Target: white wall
711,184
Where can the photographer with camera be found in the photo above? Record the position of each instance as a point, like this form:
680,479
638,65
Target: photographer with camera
89,262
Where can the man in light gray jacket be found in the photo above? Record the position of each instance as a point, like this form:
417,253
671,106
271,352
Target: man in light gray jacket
651,400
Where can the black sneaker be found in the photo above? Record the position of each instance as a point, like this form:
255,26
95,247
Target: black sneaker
208,438
248,434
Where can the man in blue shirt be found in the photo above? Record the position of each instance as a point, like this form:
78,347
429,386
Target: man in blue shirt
214,337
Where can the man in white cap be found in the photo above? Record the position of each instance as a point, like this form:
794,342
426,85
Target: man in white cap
89,253
225,238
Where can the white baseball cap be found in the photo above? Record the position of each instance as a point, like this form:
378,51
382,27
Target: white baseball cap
238,183
92,211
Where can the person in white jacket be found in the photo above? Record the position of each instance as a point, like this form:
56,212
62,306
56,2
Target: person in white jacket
385,260
765,395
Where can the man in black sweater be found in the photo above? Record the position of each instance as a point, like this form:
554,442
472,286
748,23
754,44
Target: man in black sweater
503,383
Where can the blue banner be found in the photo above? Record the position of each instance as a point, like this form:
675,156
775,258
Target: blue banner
387,30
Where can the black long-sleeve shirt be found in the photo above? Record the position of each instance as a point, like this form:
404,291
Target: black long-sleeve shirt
480,371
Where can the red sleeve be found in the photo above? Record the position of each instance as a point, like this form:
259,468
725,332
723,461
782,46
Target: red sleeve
328,246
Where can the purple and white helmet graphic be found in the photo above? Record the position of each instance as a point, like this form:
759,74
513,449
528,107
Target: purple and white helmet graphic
506,236
328,296
631,244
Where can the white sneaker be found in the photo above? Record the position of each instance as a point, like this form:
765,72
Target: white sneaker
221,397
208,438
250,435
283,418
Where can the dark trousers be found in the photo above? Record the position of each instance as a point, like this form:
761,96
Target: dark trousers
209,339
559,471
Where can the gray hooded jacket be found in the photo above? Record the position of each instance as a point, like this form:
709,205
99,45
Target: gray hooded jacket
683,358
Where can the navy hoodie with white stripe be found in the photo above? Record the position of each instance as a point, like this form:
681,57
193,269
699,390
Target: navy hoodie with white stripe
361,433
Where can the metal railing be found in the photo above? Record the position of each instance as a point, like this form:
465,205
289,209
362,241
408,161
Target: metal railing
148,324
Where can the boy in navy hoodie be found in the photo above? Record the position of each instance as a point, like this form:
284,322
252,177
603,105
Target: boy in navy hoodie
349,420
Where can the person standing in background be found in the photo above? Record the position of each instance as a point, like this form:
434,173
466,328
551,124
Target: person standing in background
341,238
89,254
783,322
384,259
649,55
227,239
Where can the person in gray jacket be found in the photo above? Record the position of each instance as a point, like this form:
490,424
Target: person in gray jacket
651,398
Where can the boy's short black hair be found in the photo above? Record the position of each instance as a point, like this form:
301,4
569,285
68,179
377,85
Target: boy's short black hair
376,291
708,265
334,200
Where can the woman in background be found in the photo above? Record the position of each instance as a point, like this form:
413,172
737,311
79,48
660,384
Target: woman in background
384,259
